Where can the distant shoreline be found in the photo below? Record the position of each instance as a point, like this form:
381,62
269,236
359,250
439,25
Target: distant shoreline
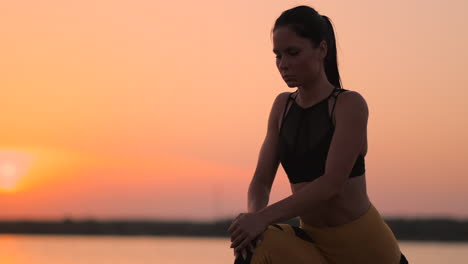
446,230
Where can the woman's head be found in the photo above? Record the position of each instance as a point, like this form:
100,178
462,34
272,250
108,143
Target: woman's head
305,48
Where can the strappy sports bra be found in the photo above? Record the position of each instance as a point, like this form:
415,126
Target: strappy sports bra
304,140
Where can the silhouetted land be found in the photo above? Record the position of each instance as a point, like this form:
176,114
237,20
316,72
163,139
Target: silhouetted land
404,229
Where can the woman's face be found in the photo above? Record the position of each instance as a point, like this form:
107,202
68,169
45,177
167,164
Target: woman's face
297,60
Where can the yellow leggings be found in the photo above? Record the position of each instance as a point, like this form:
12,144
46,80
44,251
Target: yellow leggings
367,239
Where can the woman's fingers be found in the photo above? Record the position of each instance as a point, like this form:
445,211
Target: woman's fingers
234,223
244,253
232,226
235,233
257,242
238,240
251,247
243,244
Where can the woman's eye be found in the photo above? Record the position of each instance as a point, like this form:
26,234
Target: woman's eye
291,53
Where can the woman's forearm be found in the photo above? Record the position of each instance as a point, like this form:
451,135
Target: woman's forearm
258,196
300,202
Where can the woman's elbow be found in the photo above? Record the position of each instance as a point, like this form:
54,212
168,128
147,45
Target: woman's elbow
334,186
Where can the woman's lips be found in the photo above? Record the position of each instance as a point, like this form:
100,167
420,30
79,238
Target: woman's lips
288,77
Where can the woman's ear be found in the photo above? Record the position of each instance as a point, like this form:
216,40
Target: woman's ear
323,49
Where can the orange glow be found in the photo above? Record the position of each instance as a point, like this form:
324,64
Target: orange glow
13,167
159,109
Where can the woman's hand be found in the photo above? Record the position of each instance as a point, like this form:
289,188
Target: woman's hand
252,245
245,228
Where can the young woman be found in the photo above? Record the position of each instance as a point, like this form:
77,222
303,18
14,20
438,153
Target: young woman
319,135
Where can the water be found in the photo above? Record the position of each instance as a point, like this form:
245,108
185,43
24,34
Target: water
50,249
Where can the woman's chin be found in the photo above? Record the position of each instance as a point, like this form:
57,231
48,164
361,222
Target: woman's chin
292,84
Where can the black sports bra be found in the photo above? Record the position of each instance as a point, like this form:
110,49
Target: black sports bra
304,139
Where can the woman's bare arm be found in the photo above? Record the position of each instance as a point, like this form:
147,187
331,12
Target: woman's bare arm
267,165
268,160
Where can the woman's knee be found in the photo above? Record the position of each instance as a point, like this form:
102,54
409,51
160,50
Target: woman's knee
273,236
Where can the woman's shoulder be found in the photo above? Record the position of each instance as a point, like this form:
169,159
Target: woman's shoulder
350,95
282,97
351,100
280,102
284,94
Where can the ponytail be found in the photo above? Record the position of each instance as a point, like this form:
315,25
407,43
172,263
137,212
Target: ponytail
331,62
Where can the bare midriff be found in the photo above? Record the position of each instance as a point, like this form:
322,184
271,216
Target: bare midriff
343,208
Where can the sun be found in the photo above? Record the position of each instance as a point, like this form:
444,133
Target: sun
13,165
8,171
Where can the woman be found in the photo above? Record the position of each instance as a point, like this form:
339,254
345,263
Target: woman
319,135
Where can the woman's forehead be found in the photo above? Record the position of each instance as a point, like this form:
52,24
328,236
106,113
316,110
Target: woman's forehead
284,38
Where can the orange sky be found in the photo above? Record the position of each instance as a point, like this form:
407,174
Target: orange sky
132,109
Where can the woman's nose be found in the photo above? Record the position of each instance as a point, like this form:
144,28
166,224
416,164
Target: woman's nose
283,64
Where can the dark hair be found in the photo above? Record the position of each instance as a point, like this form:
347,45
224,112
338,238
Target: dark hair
308,23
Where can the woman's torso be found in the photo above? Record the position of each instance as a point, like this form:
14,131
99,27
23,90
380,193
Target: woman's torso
343,208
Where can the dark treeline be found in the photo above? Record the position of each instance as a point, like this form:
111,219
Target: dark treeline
404,229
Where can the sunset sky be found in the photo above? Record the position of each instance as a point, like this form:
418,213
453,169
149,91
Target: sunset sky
158,109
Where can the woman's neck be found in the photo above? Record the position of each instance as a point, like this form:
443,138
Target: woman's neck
312,93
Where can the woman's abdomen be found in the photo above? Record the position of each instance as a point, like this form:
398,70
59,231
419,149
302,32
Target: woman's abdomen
351,203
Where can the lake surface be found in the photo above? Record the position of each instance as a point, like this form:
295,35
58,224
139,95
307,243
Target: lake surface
61,249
